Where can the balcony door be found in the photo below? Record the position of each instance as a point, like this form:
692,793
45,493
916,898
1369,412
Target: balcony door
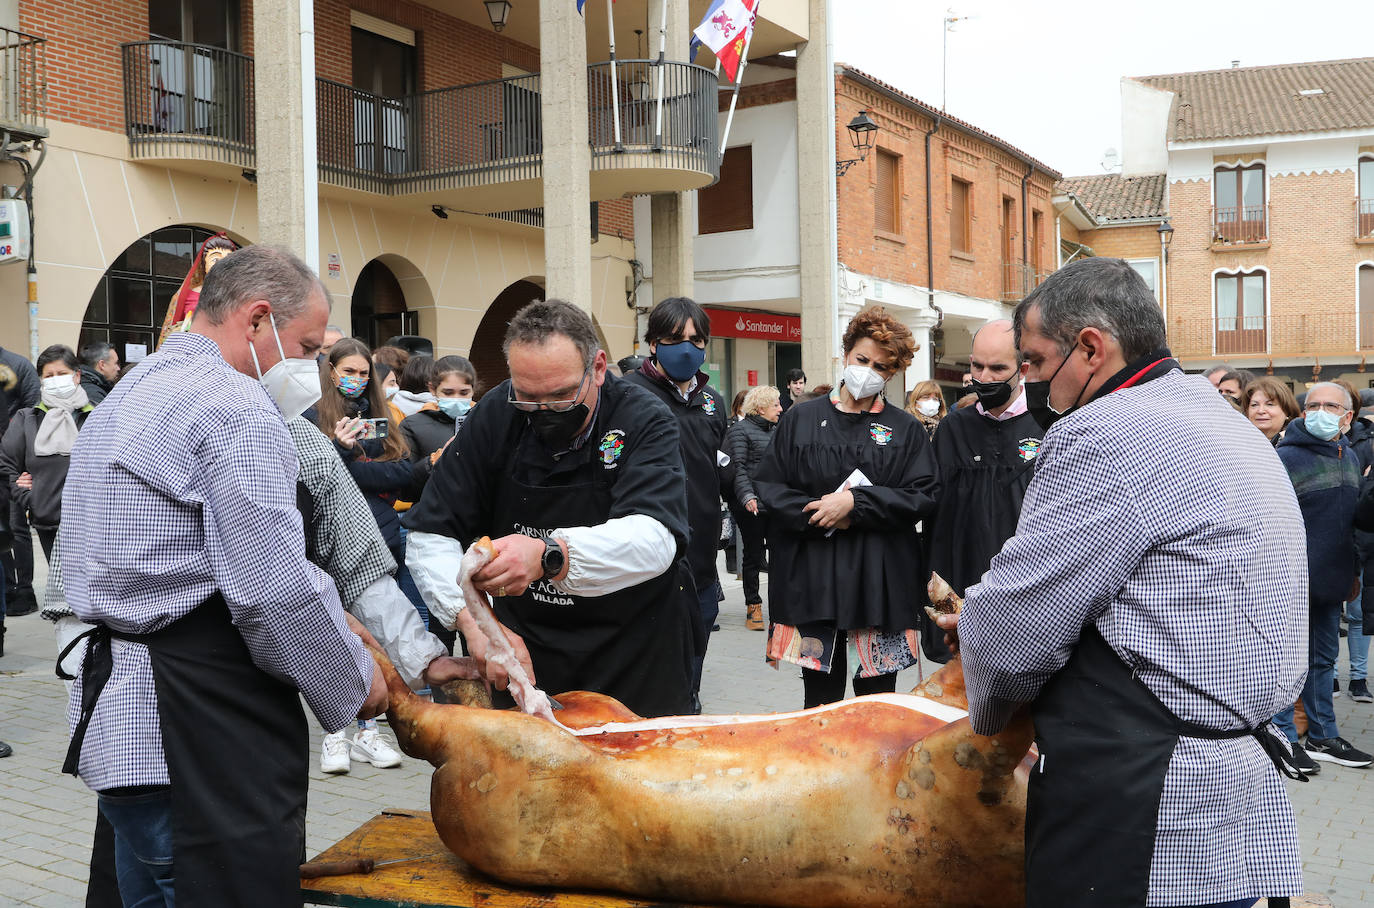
187,76
1011,284
1366,214
384,74
1239,213
1240,314
1365,306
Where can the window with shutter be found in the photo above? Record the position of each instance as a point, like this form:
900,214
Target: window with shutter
729,204
959,227
886,199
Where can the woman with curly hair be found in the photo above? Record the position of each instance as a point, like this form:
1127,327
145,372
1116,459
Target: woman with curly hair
844,484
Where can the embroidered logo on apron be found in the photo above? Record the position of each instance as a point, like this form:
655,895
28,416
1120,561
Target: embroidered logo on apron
881,434
611,447
1028,448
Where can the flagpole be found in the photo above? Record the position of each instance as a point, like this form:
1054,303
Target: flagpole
615,80
662,55
739,77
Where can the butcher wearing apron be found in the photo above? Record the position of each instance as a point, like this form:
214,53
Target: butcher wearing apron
617,644
238,838
1105,741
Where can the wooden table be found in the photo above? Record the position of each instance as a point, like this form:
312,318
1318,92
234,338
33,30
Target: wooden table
437,879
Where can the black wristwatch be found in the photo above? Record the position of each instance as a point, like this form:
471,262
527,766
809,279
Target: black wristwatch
553,559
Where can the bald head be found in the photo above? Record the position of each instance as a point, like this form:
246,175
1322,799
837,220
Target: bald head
996,338
995,358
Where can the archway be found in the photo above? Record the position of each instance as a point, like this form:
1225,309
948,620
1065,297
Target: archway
133,294
485,353
379,307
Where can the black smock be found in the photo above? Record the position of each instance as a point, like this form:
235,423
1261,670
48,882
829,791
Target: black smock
866,576
497,479
985,466
702,421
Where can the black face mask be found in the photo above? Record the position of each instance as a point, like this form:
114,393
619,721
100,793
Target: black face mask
556,429
1038,397
991,393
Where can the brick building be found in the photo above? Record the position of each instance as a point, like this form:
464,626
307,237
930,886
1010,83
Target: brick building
1268,183
1114,216
966,251
436,171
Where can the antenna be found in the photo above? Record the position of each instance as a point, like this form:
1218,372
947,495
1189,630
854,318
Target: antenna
1111,160
950,20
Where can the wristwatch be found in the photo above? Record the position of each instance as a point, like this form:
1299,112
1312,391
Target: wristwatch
553,559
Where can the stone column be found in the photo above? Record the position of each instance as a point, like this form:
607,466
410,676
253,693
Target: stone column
816,192
672,212
288,174
567,157
921,323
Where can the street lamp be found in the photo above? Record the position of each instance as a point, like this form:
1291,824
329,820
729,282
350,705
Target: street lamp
1166,233
862,131
497,12
1166,236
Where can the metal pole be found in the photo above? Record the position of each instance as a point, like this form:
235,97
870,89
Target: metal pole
739,77
662,59
615,81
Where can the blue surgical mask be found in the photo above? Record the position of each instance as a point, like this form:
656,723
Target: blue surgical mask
455,408
679,361
1322,424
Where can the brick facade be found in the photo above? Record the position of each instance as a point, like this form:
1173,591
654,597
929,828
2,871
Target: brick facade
1136,241
85,75
994,175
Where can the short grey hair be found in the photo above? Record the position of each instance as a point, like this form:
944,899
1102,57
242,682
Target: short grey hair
271,273
1101,293
1223,369
759,399
535,323
1349,404
336,329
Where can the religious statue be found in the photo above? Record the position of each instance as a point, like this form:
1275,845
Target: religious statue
183,305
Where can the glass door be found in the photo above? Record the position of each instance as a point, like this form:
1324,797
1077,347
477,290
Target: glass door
384,73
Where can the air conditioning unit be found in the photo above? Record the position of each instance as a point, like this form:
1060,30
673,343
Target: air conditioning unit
14,231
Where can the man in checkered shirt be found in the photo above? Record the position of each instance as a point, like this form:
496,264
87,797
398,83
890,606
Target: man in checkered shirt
184,545
1151,609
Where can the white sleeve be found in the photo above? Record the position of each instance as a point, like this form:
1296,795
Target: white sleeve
391,617
615,555
436,563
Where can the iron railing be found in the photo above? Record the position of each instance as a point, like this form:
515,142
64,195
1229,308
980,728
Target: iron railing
1018,280
189,101
682,128
1244,224
1364,219
1321,333
23,85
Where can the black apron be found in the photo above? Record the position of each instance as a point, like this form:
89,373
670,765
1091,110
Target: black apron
239,828
1092,808
634,644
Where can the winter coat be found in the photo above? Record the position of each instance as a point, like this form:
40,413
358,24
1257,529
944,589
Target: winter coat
427,431
49,472
1326,478
96,385
745,442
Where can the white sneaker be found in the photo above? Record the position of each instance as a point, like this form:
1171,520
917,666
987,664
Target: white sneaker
334,753
371,747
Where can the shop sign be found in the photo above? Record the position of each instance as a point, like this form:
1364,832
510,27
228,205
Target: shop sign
755,325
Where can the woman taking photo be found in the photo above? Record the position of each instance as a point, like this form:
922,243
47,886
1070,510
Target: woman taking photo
844,482
926,402
453,382
745,442
1269,405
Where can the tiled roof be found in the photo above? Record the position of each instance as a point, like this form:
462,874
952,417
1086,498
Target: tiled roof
1269,100
959,124
1112,197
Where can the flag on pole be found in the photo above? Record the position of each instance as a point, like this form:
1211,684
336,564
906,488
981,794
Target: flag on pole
726,30
580,4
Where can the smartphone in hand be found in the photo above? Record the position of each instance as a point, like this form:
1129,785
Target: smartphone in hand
373,428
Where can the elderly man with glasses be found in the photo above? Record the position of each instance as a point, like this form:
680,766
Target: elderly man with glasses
1326,478
577,477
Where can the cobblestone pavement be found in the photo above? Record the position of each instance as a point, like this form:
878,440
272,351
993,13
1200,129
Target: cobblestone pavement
46,818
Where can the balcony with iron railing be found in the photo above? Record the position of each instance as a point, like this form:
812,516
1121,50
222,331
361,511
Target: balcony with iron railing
1364,221
476,148
1018,280
1257,337
23,86
1246,225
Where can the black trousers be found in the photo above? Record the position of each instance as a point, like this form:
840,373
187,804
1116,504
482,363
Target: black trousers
752,534
19,567
820,688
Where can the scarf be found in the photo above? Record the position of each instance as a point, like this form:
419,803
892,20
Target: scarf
57,432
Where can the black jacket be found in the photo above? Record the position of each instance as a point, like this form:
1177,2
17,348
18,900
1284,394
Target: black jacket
701,426
96,385
27,392
427,431
49,472
745,442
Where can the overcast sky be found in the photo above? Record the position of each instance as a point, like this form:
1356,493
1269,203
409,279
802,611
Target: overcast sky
1051,85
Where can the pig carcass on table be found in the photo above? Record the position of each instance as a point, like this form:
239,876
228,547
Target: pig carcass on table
887,800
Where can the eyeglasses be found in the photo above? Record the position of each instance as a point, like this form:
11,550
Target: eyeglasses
556,406
1333,409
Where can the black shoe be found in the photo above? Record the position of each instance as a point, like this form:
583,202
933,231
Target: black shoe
1359,689
1337,750
1335,687
20,602
5,749
714,628
1302,762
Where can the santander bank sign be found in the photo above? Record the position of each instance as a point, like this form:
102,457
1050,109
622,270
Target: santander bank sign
754,325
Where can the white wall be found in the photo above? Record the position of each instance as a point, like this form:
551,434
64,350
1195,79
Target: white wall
1144,128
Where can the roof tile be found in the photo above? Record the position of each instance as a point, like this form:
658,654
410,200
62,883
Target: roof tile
1112,197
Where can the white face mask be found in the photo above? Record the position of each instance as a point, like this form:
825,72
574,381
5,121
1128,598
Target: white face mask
862,381
293,383
928,407
60,387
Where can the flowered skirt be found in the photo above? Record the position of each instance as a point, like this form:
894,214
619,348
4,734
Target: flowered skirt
873,651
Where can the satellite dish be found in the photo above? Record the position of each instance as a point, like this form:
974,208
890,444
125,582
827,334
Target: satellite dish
1111,160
